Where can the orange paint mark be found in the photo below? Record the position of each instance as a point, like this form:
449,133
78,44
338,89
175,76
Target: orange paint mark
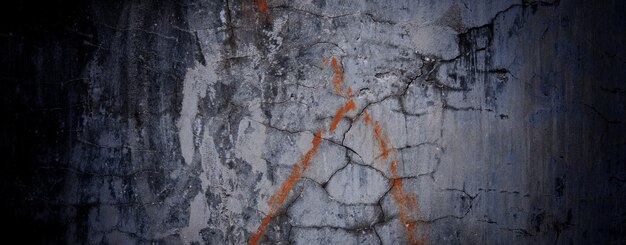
254,239
339,114
393,167
262,8
262,5
382,144
406,202
317,139
366,117
279,197
337,75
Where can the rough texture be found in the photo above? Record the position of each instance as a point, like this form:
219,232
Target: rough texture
326,235
315,208
357,184
180,122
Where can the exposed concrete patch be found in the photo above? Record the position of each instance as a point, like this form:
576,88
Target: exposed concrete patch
330,158
315,208
198,219
328,235
446,45
356,184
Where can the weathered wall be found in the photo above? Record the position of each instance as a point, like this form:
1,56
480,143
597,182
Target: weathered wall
316,122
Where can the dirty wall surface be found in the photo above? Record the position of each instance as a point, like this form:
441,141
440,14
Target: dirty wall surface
316,122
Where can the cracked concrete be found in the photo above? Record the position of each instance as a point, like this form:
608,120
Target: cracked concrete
356,184
191,122
314,207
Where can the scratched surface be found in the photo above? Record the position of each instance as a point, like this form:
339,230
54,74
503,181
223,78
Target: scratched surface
319,122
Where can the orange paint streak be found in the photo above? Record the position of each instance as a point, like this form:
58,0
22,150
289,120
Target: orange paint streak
366,117
279,197
350,105
254,239
382,144
406,202
262,5
339,114
393,167
317,139
337,75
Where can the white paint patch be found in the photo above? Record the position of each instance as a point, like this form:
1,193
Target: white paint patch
208,158
223,16
198,219
195,85
199,213
251,143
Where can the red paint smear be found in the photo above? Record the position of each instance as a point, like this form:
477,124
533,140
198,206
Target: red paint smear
339,114
279,197
337,75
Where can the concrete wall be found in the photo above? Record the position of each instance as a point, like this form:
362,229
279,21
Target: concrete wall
317,122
